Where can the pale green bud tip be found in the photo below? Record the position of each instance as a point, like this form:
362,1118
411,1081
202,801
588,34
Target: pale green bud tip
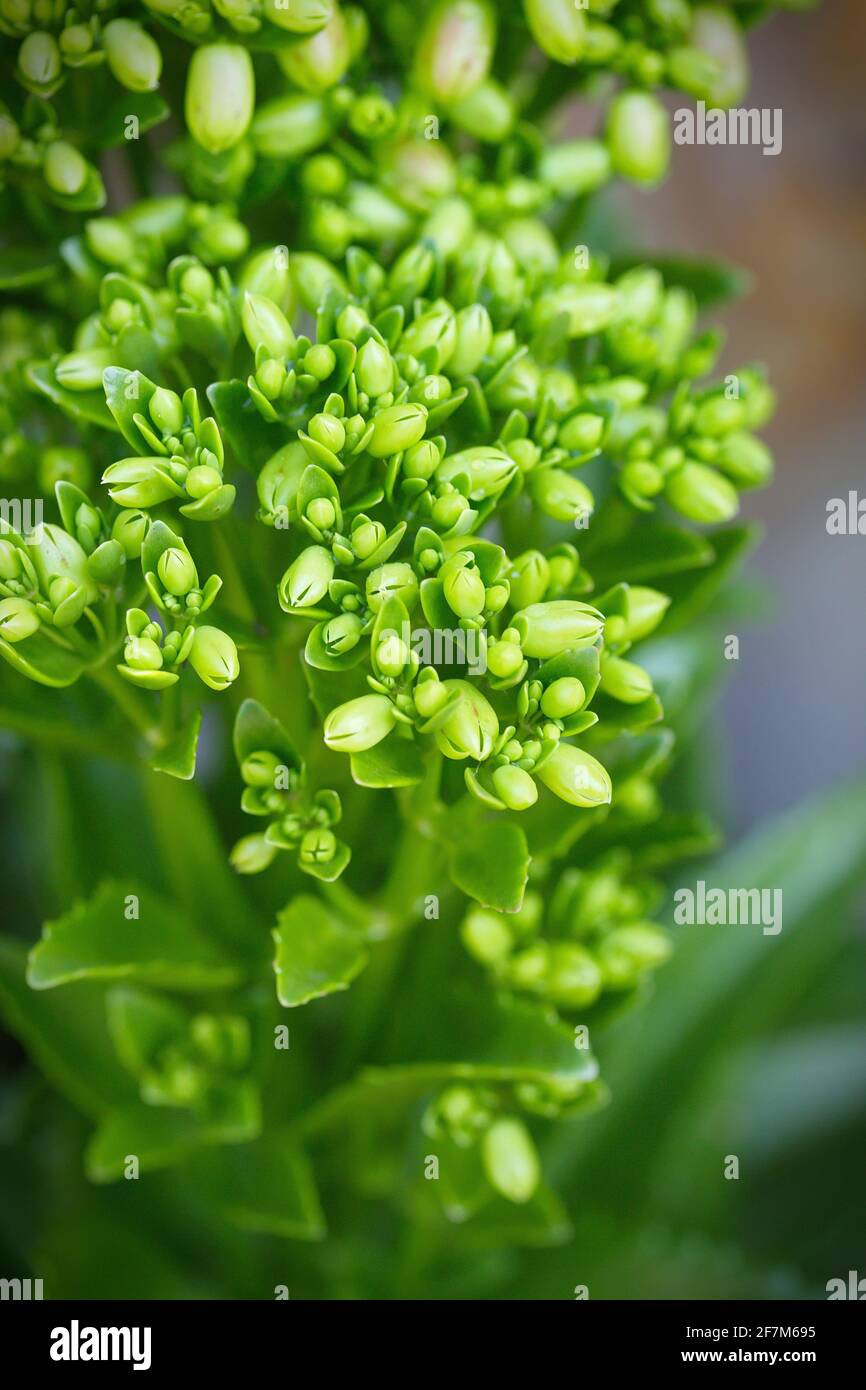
546,629
177,571
18,619
306,581
563,697
702,494
456,48
64,169
133,56
396,428
638,137
558,27
359,724
214,657
265,324
472,728
625,680
576,777
220,95
252,854
510,1160
515,787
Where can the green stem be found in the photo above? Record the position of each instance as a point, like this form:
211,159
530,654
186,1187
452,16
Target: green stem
127,701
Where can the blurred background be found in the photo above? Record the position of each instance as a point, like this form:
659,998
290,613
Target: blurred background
797,223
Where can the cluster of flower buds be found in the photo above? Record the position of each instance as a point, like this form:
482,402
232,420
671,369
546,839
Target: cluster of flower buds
477,1122
186,452
36,158
57,37
592,936
276,789
184,1060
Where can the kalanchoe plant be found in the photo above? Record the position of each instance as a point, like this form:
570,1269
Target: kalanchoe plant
453,462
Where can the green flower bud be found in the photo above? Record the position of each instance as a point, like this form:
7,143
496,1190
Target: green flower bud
573,979
422,460
489,470
266,325
456,48
220,95
510,1160
646,608
515,787
130,529
214,657
321,61
576,777
177,572
322,513
464,591
625,680
529,577
504,659
142,654
627,953
39,60
638,137
488,113
317,847
718,34
563,697
374,368
75,41
582,432
396,428
290,126
252,854
10,136
202,480
109,240
64,462
305,583
299,16
342,633
267,273
745,459
198,284
10,560
18,619
486,936
471,730
474,336
64,169
394,580
546,629
575,167
558,27
560,495
392,655
260,769
588,306
82,371
702,494
165,409
435,328
133,56
320,361
359,724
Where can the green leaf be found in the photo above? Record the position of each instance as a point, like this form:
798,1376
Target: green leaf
22,267
128,394
66,1035
178,757
256,731
148,108
316,953
395,762
693,591
649,552
267,1187
43,661
141,1024
84,407
95,940
160,1138
491,864
711,282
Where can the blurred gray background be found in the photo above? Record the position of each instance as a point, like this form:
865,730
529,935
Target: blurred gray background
793,713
